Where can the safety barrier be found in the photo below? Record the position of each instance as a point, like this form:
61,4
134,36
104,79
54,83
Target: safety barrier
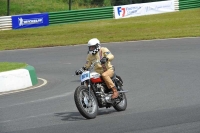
80,15
176,5
188,4
5,23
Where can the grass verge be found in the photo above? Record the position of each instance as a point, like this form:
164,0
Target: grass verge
7,66
168,25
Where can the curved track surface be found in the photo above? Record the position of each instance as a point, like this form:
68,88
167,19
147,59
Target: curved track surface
162,76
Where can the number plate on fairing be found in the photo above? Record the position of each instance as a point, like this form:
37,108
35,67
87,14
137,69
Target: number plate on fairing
85,76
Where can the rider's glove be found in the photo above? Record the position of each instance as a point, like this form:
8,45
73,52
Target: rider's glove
80,71
104,60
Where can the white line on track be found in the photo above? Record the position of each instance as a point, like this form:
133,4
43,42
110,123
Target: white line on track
35,101
29,117
40,100
156,40
103,43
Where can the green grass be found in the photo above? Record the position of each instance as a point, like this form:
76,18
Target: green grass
6,66
184,23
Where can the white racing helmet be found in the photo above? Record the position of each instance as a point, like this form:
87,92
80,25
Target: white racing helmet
94,42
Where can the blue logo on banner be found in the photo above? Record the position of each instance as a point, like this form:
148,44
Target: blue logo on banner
30,21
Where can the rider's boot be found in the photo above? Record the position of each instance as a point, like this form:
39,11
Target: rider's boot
115,93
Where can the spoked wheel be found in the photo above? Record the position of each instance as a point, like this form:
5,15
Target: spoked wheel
87,105
123,104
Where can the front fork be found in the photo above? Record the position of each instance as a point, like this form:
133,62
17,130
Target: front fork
87,83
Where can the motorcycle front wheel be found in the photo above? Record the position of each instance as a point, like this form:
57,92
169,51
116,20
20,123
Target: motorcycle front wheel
85,103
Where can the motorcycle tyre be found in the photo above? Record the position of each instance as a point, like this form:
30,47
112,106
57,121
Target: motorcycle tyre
121,108
79,106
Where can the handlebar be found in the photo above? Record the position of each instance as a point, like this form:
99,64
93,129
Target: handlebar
97,61
92,66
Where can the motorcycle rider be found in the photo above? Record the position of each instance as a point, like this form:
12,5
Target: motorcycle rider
96,52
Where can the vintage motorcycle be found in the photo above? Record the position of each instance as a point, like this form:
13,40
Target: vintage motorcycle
93,94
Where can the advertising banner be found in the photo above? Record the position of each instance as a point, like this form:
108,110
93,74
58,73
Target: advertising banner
30,21
133,10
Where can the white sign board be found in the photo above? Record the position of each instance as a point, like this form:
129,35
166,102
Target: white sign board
134,10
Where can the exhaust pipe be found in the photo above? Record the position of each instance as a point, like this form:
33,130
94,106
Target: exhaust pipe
112,92
123,91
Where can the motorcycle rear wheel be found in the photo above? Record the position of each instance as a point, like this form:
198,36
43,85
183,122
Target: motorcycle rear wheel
123,104
87,107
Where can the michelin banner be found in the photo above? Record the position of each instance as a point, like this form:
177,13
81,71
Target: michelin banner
30,21
134,10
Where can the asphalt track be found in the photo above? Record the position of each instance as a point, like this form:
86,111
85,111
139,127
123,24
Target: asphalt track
162,76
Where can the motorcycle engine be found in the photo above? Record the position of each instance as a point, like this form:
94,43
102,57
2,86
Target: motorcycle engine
103,97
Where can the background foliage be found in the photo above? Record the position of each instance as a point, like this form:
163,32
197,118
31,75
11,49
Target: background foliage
38,6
